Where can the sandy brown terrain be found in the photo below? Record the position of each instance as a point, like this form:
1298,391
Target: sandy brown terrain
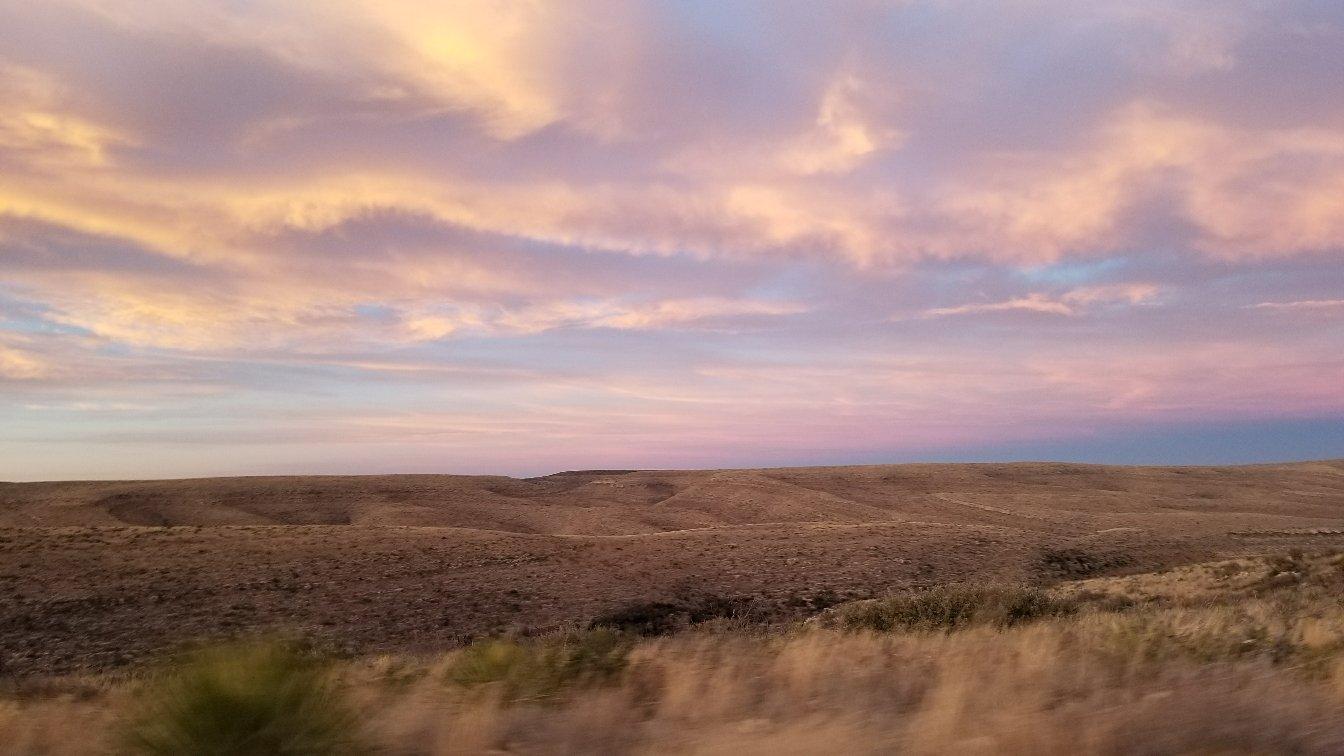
95,575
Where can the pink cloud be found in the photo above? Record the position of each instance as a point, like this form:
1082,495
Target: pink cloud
500,228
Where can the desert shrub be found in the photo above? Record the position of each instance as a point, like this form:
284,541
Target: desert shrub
951,607
1307,641
1075,563
664,618
1289,561
1228,570
1104,601
540,668
1283,571
645,618
255,698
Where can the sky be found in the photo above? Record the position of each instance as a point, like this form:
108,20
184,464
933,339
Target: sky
514,237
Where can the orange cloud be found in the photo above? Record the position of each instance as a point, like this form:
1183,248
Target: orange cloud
19,365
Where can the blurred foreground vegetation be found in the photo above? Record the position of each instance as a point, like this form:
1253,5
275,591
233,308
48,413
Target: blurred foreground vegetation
1233,657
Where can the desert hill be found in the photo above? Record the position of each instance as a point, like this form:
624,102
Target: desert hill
94,575
632,502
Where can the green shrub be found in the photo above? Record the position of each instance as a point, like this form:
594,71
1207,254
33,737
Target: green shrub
952,607
256,698
540,668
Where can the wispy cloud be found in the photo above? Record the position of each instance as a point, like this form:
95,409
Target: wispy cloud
1305,304
1071,302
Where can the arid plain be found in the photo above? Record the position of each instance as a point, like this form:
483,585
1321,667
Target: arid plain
98,576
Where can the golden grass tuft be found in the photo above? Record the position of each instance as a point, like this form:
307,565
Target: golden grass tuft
261,697
540,668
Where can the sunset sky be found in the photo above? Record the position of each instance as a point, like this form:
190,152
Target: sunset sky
256,236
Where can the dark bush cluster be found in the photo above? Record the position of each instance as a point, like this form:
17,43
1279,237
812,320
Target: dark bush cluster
952,607
1077,563
665,617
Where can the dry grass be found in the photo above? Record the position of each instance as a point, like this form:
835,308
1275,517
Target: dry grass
539,669
1219,663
